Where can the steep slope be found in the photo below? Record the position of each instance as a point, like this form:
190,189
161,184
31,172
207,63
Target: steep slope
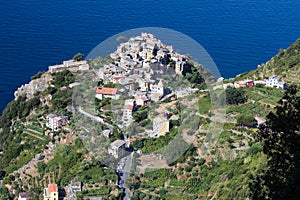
286,65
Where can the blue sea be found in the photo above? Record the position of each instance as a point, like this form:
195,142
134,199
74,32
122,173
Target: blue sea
238,34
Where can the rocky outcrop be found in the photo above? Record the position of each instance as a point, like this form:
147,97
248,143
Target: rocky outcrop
36,85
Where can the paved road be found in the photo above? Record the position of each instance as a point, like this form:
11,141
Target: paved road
96,118
126,173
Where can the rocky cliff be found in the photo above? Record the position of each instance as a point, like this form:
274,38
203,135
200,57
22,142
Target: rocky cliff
35,85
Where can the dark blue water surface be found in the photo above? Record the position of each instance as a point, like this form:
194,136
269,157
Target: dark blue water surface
238,35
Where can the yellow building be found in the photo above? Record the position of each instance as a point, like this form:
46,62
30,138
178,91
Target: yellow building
149,54
51,192
160,126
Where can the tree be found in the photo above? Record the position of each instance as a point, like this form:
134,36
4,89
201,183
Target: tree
235,96
41,167
4,193
247,120
78,57
36,76
141,114
2,174
63,78
281,144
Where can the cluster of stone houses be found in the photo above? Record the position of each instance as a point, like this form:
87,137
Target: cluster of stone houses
134,64
70,65
272,81
55,122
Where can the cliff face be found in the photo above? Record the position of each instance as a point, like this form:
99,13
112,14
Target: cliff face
36,85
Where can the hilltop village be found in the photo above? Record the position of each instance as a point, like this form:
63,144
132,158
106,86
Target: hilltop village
135,72
138,68
153,111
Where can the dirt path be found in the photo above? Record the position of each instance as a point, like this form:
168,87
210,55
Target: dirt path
27,132
34,131
151,161
242,133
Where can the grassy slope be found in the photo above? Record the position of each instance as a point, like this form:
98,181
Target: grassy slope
286,65
229,179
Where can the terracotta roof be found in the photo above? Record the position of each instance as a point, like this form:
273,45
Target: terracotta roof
117,78
106,91
130,107
52,188
132,140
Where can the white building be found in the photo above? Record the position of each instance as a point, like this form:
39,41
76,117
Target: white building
56,122
127,112
159,88
117,148
107,133
275,81
262,82
70,65
107,93
179,67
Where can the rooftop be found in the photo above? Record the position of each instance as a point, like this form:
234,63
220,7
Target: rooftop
25,194
117,143
52,188
110,91
160,119
130,107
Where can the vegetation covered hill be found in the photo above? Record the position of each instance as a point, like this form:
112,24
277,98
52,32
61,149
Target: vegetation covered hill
286,65
240,166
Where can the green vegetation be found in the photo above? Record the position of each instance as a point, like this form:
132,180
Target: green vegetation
78,57
281,139
285,64
229,178
241,165
23,158
9,143
141,114
4,193
247,120
204,105
194,73
148,145
63,78
121,38
38,75
61,99
110,85
235,96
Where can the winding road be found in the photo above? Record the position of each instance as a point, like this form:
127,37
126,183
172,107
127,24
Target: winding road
95,118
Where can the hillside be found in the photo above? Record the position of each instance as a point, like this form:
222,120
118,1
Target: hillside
190,165
286,65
